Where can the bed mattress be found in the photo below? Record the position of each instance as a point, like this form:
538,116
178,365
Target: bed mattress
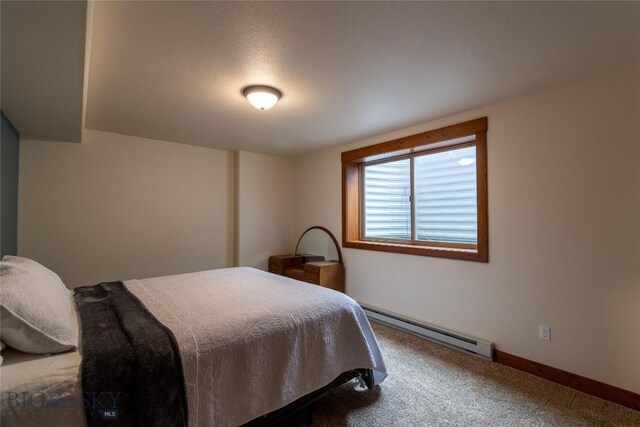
251,342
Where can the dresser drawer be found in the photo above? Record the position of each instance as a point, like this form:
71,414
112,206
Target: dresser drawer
313,278
294,273
278,264
327,274
276,268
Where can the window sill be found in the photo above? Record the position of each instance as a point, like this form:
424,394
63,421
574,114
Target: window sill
432,251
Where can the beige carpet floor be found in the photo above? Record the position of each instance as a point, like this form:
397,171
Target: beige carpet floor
432,385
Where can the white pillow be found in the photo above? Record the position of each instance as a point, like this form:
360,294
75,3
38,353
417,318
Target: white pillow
35,308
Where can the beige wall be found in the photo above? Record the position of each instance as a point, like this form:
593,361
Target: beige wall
265,206
564,233
120,207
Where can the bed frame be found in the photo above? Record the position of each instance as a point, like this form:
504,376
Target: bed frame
305,403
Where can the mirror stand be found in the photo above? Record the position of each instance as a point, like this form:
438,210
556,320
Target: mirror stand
317,260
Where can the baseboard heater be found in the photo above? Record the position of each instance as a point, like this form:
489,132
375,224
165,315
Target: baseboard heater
450,339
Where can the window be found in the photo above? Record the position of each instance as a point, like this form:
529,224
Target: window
424,194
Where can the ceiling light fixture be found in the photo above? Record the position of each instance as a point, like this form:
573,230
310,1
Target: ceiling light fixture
262,97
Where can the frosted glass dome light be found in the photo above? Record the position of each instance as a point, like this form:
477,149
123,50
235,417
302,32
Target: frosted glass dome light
262,97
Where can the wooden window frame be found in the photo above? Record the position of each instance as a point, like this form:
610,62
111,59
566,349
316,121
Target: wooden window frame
473,132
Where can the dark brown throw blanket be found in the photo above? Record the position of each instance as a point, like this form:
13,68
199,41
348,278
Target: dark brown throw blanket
131,368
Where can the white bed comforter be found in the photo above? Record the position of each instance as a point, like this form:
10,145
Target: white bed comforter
252,342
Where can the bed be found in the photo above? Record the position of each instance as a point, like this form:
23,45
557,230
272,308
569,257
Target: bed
249,345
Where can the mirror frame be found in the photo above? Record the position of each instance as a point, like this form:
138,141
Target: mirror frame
335,242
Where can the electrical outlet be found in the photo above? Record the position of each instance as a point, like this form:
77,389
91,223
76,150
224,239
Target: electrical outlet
544,332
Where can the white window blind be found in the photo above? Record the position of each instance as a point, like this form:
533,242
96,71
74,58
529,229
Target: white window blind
446,207
445,198
387,200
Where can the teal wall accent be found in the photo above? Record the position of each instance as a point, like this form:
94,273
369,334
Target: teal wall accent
9,152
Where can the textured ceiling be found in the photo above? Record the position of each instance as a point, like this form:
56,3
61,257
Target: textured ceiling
174,70
43,52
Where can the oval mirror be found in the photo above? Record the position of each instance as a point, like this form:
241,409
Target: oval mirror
319,241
